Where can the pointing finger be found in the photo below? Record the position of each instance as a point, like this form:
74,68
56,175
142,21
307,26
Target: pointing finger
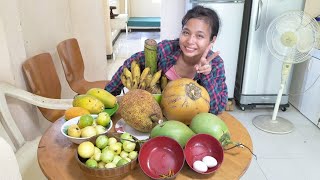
215,54
205,54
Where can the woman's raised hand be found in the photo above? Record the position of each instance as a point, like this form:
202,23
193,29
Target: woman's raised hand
204,66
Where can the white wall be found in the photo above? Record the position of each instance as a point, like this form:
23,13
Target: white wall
312,7
34,26
5,73
145,8
108,36
88,26
172,13
12,55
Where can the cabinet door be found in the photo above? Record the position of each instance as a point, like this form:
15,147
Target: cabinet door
310,100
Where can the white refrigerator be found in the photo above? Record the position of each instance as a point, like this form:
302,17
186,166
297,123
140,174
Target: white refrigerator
258,72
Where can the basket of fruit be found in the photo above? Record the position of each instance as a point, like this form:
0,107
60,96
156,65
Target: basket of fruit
108,155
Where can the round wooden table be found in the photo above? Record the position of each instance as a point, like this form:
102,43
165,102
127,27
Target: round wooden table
56,155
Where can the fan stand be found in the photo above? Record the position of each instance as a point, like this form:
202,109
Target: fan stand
274,124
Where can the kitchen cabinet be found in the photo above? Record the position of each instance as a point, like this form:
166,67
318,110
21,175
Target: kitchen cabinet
304,77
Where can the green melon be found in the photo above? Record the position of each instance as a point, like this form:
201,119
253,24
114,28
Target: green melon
211,124
174,129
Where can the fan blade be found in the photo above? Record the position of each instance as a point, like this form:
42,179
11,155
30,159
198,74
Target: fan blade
306,40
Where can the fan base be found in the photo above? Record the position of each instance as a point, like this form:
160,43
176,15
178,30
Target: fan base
277,126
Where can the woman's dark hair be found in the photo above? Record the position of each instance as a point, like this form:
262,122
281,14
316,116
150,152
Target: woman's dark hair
206,14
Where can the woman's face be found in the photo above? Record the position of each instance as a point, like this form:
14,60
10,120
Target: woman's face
195,38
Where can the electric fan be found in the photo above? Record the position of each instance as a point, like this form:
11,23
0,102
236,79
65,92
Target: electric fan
290,38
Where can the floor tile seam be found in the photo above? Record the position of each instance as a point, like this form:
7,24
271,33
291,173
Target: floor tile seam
280,157
261,169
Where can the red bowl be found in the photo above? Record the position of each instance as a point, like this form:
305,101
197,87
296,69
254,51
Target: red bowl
201,145
160,155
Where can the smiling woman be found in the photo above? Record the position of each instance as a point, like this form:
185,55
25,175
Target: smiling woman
190,56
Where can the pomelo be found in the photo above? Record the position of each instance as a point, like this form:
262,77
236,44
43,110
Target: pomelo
174,129
211,124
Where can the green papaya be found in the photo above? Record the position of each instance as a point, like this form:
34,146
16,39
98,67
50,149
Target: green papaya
211,124
174,129
104,96
91,103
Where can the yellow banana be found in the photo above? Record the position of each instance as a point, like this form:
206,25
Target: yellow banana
155,78
134,83
154,89
127,74
123,79
133,64
148,80
144,74
136,73
129,84
163,82
142,85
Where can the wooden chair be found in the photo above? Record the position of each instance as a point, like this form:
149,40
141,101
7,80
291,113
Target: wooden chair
43,80
73,66
9,169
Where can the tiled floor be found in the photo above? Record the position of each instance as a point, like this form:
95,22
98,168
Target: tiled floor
293,156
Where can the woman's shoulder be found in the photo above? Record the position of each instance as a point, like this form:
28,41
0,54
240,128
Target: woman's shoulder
217,59
168,48
169,44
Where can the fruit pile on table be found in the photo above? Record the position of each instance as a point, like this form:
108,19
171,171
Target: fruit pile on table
108,152
180,111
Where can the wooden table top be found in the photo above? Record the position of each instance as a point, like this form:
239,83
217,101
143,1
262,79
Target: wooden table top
56,155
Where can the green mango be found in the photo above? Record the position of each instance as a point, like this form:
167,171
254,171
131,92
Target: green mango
211,124
174,129
104,96
91,103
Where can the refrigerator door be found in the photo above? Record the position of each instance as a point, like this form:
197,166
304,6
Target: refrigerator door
228,39
262,71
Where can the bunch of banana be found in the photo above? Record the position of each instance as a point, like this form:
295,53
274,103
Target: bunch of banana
135,79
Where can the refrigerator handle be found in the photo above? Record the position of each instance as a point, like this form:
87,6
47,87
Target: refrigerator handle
258,16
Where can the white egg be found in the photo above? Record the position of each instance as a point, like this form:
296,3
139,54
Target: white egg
200,166
209,161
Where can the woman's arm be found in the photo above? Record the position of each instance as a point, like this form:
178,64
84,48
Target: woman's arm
216,86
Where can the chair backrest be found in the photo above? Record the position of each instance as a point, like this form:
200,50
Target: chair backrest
43,80
71,59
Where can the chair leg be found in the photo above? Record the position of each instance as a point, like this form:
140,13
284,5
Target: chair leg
9,123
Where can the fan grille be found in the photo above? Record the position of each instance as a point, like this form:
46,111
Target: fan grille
291,36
